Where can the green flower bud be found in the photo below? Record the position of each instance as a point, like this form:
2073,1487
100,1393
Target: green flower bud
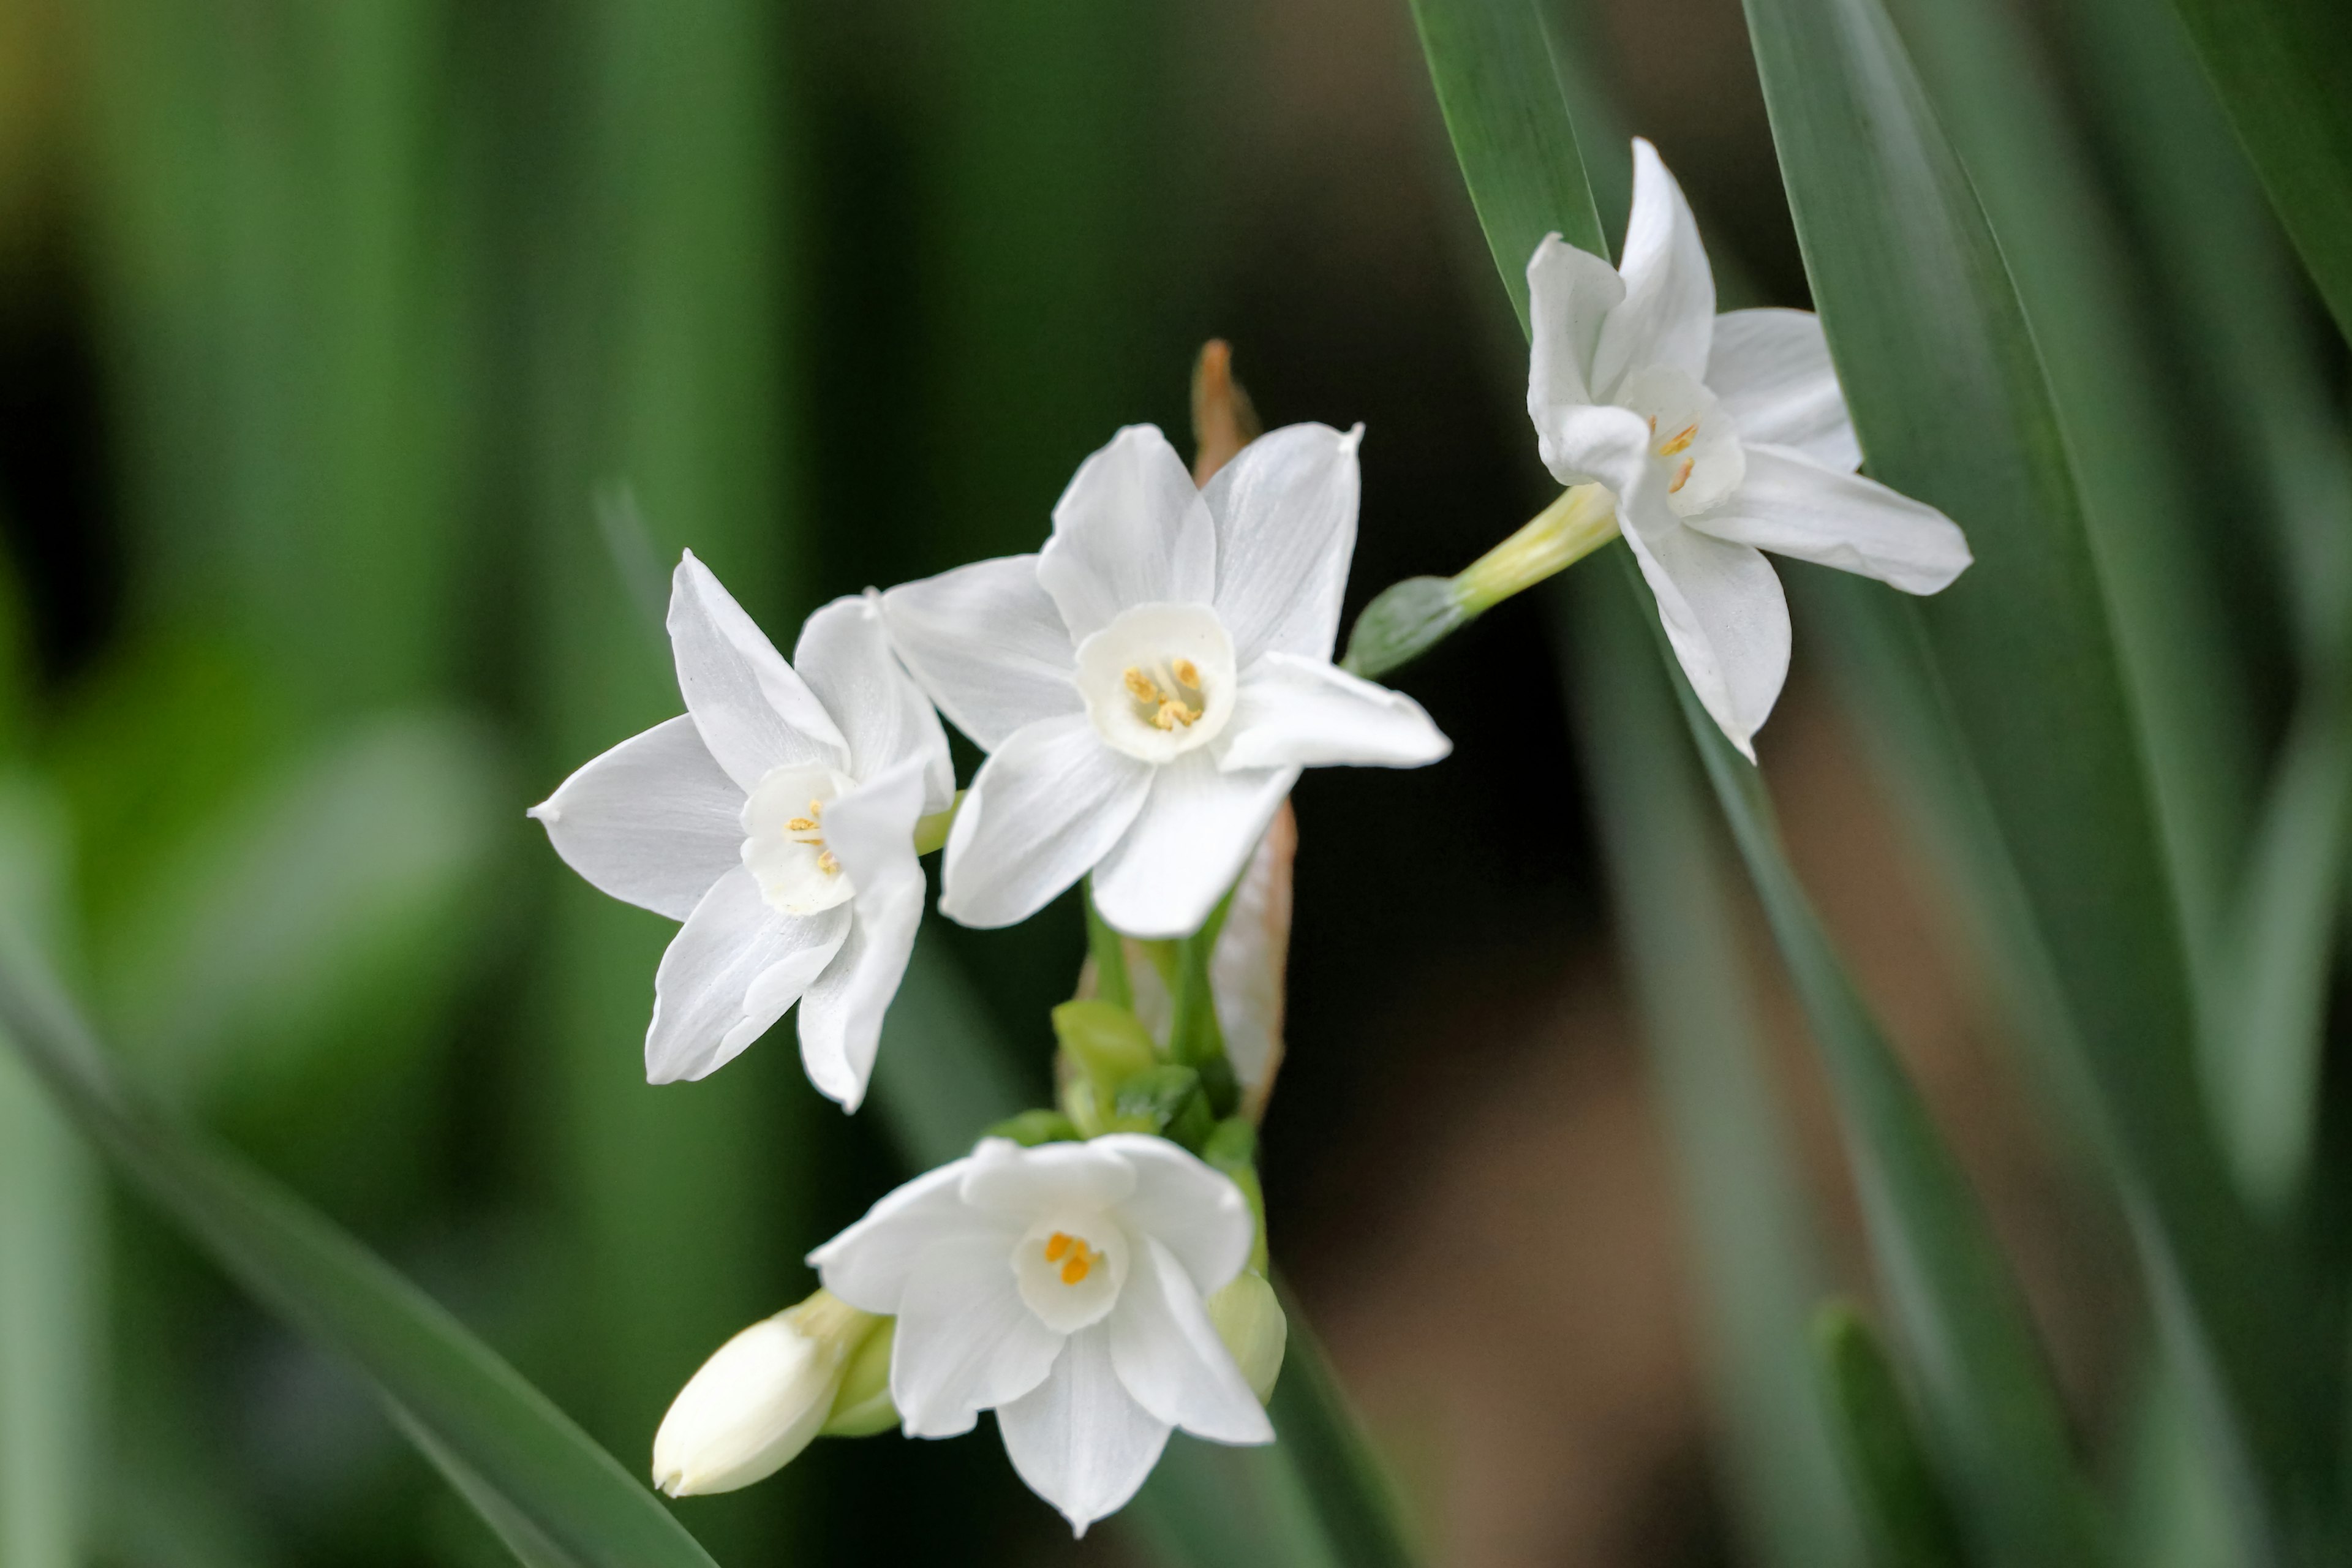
863,1408
1404,621
1167,1100
1105,1039
1250,1321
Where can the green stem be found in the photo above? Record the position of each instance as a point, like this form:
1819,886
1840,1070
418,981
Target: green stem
1109,955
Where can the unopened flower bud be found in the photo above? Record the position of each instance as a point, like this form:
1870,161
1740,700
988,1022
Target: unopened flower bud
1249,1319
863,1406
756,1403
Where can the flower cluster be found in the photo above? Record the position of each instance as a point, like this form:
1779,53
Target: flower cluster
1147,687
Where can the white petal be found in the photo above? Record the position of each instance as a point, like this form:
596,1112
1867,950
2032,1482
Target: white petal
1771,369
1668,316
1284,509
1307,712
844,656
1048,803
1187,845
987,645
1570,294
1080,1440
871,831
1725,615
1194,1209
966,1340
1168,1354
1003,1178
729,973
1612,445
868,1264
754,712
653,822
1795,507
1131,530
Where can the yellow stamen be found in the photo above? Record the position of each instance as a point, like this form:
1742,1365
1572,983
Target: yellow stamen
1140,686
1057,1245
1187,674
1682,475
827,864
1080,1265
1076,1258
1173,714
1680,443
801,824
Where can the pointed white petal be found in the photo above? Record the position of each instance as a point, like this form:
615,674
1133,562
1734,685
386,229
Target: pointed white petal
1795,507
987,644
754,712
1048,803
1668,316
844,656
1187,845
1023,1184
1307,712
1168,1354
868,1264
1080,1440
1724,612
1129,531
966,1341
653,822
1284,509
1771,369
1570,294
871,830
729,973
1194,1209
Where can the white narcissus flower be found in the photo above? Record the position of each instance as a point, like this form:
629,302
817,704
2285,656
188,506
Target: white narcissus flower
1149,685
777,819
1721,437
1063,1288
755,1404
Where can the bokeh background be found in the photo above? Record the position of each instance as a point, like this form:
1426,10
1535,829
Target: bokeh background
364,363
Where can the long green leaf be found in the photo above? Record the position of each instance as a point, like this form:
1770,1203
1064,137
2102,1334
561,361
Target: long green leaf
1758,1256
2280,67
1992,1414
1951,401
581,1505
1992,92
1910,1520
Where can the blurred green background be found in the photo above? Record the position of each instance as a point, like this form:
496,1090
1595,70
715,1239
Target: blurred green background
364,364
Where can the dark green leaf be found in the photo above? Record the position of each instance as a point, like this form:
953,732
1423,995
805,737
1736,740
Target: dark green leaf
580,1507
1910,1519
1952,406
2281,67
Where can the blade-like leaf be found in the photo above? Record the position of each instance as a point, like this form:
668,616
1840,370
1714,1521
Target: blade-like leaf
2281,67
1910,1520
1757,1257
584,1508
1992,1414
1951,405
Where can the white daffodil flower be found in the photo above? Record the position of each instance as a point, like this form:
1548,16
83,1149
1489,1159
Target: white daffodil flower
1063,1288
1720,436
777,819
756,1403
1150,684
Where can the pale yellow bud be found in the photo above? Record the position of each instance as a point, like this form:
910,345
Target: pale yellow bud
756,1403
1249,1319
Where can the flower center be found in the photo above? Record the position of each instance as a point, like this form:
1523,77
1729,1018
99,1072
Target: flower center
783,841
1076,1258
1069,1269
1690,437
1158,680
